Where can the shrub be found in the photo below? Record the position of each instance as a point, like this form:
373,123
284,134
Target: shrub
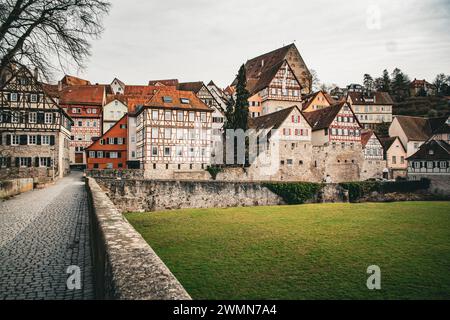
214,171
295,193
357,190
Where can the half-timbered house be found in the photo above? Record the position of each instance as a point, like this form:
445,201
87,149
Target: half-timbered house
84,104
34,130
374,165
173,134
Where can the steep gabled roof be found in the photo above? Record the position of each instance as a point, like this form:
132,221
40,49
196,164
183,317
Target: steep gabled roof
420,129
191,86
365,136
389,141
258,65
165,82
74,81
272,120
321,119
310,98
122,84
96,142
432,150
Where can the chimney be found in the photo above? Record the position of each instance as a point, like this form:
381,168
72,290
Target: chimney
262,63
36,73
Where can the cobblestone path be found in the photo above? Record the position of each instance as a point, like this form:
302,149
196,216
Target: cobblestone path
43,232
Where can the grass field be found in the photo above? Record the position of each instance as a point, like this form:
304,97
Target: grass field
318,251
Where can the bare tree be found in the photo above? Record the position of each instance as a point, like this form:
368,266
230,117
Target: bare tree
49,34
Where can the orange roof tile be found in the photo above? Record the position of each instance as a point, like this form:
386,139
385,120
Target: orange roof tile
89,95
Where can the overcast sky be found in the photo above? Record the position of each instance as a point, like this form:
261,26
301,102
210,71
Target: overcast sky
209,39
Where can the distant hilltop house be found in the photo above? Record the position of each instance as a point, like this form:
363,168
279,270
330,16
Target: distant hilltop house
372,109
418,87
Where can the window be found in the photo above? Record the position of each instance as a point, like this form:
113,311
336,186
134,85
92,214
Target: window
33,98
89,110
394,160
15,140
99,154
167,133
192,134
402,159
13,97
91,154
168,115
94,111
184,101
24,162
45,140
155,114
110,140
32,117
167,151
191,116
180,116
155,133
179,151
180,134
32,139
113,155
15,116
289,161
154,151
48,118
203,116
44,162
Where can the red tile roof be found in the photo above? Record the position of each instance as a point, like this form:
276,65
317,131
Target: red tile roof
194,102
83,95
165,82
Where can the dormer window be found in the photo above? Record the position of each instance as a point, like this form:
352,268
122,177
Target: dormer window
431,152
184,101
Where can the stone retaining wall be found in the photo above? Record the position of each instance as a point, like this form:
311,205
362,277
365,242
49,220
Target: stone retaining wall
13,187
155,195
126,267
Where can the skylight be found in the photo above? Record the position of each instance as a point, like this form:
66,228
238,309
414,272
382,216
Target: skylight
167,99
185,100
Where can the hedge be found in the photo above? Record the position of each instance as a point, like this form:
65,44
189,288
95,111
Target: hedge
357,190
295,193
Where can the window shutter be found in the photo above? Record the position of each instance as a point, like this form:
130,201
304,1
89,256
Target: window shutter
38,142
8,139
119,154
17,162
52,140
36,162
8,162
23,140
115,141
49,162
29,162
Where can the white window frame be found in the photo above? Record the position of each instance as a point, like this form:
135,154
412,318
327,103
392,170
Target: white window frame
15,95
32,139
32,117
48,118
45,140
16,138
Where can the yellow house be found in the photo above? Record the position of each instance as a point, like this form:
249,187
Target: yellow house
317,101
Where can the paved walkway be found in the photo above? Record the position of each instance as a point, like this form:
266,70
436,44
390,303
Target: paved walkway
43,232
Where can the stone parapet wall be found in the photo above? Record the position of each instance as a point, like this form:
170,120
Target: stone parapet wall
13,187
126,267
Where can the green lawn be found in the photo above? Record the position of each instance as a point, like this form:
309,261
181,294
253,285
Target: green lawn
318,251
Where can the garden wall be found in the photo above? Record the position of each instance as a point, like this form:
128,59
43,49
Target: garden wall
13,187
